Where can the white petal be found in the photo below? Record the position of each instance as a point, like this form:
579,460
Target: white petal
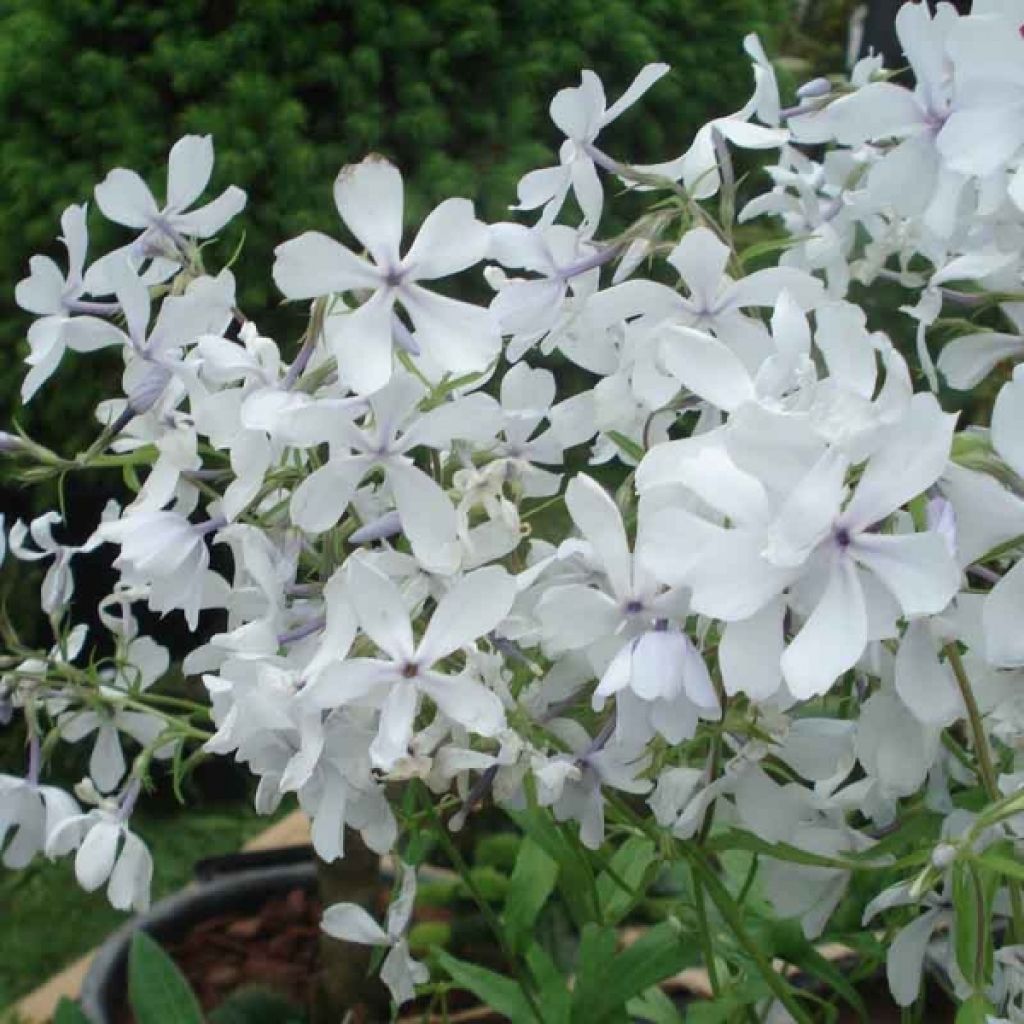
808,512
314,264
750,653
132,876
43,290
728,556
701,259
472,608
351,923
106,766
381,609
189,167
707,367
916,568
573,616
648,75
369,197
599,520
763,288
349,682
906,466
207,220
323,497
361,342
966,361
460,337
1001,617
905,958
923,683
986,513
449,240
1008,422
396,725
578,111
95,858
124,198
401,973
832,639
428,517
465,701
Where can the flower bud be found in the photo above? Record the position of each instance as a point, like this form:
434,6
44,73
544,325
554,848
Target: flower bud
814,89
11,444
943,856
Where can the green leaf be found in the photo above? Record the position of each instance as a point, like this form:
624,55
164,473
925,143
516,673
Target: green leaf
626,445
976,1010
576,880
532,882
555,997
157,990
69,1013
972,933
501,994
736,839
1001,864
594,964
656,955
621,888
654,1006
603,992
813,963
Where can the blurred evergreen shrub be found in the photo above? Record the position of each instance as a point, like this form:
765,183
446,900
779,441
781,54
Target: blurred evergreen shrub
454,91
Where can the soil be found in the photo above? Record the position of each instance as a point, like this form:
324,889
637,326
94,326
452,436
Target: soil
276,947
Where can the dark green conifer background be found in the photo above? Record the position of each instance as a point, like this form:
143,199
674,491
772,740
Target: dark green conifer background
454,91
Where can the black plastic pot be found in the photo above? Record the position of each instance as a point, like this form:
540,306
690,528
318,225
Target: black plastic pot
239,882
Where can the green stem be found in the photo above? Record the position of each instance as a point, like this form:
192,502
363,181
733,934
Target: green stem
730,912
457,862
986,769
707,947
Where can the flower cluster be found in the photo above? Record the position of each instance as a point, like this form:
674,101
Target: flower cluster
747,572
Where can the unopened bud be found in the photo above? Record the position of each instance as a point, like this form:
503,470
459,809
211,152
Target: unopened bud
943,856
814,89
11,444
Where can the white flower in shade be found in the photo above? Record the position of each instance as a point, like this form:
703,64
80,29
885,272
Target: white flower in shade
1004,642
108,851
472,608
164,552
574,615
126,199
662,685
59,582
351,923
29,813
581,113
457,336
142,663
573,783
426,514
967,360
67,321
698,168
827,551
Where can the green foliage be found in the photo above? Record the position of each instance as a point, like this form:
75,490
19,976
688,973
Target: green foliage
455,92
159,993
